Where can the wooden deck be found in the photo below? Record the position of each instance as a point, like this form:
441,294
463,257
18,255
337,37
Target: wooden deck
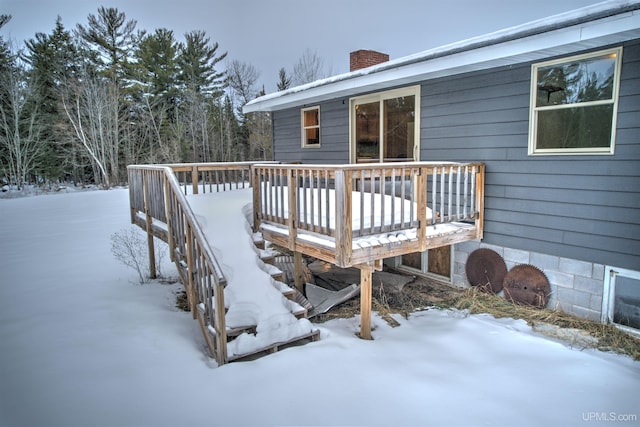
348,215
356,214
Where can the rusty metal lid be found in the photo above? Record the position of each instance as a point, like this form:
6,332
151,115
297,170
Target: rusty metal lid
527,285
486,269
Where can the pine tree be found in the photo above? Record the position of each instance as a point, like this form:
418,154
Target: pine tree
110,36
197,61
53,59
156,95
284,81
156,64
6,57
202,87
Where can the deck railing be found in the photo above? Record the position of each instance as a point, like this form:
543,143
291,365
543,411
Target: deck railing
409,201
350,215
158,205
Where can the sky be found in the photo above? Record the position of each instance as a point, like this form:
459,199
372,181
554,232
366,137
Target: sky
274,34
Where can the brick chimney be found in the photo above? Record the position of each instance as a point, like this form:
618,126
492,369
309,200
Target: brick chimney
366,58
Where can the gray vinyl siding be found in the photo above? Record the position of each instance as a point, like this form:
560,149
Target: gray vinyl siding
334,135
579,207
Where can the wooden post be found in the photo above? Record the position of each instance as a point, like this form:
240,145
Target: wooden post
132,189
149,221
480,202
293,219
422,208
220,325
194,179
366,272
298,272
343,215
168,213
255,182
190,270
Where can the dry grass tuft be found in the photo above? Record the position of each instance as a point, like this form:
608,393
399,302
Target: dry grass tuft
607,337
424,293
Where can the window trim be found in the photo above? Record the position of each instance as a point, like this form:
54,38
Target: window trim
380,97
303,136
608,296
533,109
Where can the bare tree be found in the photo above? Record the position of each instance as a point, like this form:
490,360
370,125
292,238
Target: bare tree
110,37
20,129
310,67
260,135
89,105
242,78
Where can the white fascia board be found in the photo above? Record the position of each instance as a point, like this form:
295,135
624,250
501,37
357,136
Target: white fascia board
414,68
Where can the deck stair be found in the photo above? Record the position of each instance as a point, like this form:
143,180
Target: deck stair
352,215
159,206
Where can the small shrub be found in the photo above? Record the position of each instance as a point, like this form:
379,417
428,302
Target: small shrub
129,246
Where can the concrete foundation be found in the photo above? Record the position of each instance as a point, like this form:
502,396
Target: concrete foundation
576,286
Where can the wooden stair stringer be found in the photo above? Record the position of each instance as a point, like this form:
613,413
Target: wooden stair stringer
275,347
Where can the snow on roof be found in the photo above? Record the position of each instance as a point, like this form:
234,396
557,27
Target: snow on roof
589,27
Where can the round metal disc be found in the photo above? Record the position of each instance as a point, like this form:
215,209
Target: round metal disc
528,285
486,269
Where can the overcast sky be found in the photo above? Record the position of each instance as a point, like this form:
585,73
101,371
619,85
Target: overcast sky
270,34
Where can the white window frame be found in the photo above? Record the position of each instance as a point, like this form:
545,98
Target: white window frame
381,97
533,109
303,133
609,292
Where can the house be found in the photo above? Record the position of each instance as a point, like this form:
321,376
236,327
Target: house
552,109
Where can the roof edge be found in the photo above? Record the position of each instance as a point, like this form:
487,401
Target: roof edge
579,16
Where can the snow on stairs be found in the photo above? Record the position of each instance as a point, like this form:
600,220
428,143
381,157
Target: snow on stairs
258,319
234,332
268,258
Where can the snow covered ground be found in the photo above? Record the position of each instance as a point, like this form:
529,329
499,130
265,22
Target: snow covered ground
83,345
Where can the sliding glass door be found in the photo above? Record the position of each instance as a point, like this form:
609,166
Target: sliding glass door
385,126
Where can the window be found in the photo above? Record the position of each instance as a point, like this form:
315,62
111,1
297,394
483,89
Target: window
621,298
311,127
574,104
385,126
432,262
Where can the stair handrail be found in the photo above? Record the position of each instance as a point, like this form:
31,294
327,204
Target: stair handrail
187,244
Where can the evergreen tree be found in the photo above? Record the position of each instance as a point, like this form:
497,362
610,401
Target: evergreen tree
284,81
53,59
156,64
6,57
111,37
156,73
197,61
202,86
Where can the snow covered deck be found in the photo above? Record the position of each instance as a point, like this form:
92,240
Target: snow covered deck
348,215
356,214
